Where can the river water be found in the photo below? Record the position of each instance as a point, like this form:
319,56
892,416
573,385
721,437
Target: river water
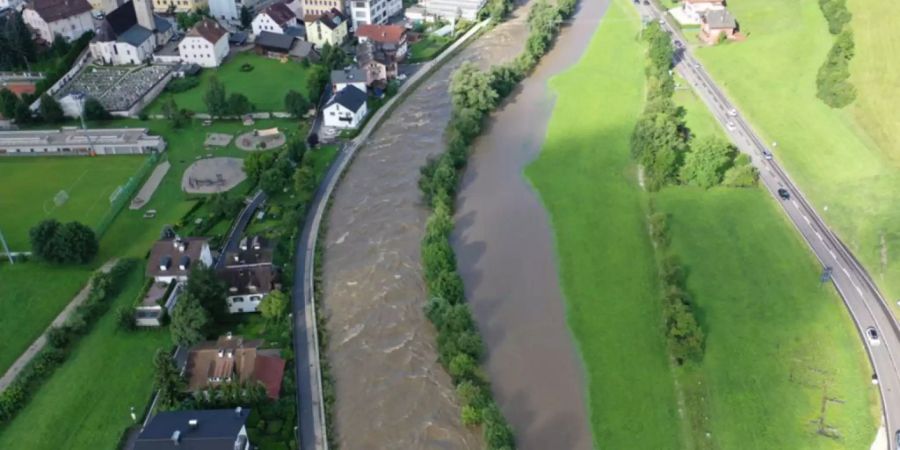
391,391
506,257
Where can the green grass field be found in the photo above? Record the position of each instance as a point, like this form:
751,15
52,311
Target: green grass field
847,161
585,178
265,85
86,403
30,184
427,47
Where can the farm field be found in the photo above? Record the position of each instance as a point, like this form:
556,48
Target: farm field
86,403
31,183
847,161
265,85
585,178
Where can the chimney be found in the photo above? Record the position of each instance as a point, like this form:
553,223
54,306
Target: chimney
193,424
176,437
144,13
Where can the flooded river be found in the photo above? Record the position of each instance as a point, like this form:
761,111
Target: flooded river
506,257
391,391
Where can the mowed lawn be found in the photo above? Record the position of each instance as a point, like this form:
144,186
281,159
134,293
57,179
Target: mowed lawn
85,404
847,161
778,343
586,180
31,183
265,85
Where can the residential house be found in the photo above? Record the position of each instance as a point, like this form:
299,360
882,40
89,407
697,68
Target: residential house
346,108
231,359
342,78
274,19
67,18
130,34
248,274
717,24
177,6
206,44
693,10
452,9
171,259
210,429
329,28
319,7
282,45
365,12
379,66
389,38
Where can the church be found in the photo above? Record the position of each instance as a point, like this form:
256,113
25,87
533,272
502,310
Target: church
130,34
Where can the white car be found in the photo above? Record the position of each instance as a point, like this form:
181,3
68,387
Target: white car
872,334
730,125
767,154
732,112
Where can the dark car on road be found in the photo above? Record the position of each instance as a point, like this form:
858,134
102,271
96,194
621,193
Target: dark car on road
784,194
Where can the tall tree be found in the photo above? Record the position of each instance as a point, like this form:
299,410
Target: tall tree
472,88
50,110
315,84
246,17
707,162
274,306
189,321
295,103
94,110
205,286
167,380
216,102
239,104
59,243
8,102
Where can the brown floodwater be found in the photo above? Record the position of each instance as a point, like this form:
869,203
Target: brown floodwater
391,391
504,245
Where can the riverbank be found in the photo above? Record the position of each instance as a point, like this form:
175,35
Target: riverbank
518,307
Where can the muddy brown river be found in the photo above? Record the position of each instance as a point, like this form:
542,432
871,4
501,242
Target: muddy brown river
391,391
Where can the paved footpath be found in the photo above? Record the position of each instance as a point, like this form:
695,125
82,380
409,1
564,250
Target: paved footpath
39,343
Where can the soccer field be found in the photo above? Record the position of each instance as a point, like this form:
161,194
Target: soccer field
30,191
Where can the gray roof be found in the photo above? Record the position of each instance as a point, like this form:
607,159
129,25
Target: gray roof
135,35
351,75
162,25
217,429
350,97
297,32
275,41
719,19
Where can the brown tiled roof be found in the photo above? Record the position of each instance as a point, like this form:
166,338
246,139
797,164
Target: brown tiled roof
280,13
171,252
53,10
269,371
259,279
208,29
233,359
382,34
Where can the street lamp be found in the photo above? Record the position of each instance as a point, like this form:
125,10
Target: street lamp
82,99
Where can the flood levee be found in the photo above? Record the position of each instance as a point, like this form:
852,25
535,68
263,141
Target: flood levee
391,393
506,257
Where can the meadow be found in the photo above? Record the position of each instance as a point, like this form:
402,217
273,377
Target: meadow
847,161
86,403
777,343
586,180
265,85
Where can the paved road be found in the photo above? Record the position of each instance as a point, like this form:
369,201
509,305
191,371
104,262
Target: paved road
863,299
237,229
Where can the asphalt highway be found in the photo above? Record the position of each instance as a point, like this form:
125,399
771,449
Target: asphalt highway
861,296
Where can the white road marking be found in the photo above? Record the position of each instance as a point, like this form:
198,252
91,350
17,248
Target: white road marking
796,205
833,256
819,236
847,272
806,218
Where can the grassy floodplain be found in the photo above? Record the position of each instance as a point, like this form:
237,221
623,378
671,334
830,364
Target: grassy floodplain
846,160
85,404
585,178
777,342
265,85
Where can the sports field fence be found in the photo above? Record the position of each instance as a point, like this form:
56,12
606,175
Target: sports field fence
122,195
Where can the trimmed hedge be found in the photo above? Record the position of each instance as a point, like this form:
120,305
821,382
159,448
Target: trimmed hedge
460,348
833,79
104,287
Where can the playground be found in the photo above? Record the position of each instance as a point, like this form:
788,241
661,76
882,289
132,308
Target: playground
63,188
212,175
260,140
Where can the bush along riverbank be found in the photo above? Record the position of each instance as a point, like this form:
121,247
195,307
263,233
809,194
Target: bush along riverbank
61,340
474,94
833,79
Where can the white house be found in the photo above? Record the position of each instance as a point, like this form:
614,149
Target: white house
67,18
206,44
274,19
171,259
364,12
346,108
352,76
248,275
129,34
692,11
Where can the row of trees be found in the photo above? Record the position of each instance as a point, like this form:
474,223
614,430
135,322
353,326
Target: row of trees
474,93
833,84
50,111
17,49
70,243
218,105
104,288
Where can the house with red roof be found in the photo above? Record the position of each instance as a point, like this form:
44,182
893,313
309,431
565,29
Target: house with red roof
232,359
390,39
